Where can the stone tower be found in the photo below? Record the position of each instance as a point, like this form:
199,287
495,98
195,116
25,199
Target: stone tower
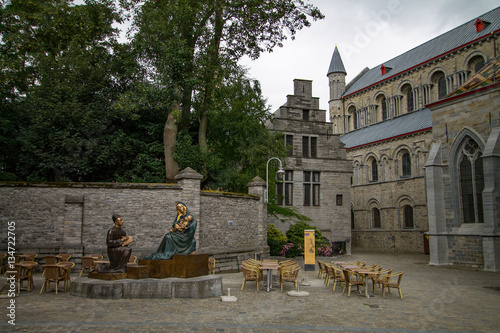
336,80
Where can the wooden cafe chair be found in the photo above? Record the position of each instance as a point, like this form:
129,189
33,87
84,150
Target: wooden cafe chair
392,281
351,282
338,277
289,273
250,273
66,267
378,276
24,272
52,274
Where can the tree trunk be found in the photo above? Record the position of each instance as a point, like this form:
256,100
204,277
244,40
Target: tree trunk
169,143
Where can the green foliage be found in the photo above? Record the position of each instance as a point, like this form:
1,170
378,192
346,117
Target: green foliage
296,233
275,239
285,213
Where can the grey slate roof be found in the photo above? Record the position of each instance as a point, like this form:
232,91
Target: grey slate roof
336,64
401,125
442,44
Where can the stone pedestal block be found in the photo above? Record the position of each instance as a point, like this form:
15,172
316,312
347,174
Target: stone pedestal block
197,287
181,266
137,272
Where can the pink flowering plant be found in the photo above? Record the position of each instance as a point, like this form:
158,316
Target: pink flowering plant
292,250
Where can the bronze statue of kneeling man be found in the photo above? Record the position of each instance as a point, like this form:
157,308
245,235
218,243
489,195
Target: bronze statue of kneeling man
118,250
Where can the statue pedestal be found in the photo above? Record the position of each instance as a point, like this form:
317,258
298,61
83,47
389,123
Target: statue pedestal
181,266
107,276
137,272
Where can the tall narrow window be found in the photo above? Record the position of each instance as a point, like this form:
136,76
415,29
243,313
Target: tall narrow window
309,146
376,218
383,101
409,100
311,188
374,171
406,165
289,144
408,217
441,87
471,183
305,115
284,190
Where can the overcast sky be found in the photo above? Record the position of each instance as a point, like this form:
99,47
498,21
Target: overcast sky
367,33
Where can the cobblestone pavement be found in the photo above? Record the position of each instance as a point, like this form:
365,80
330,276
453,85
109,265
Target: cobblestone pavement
436,299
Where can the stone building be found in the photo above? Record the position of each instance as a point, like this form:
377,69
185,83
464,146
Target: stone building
317,173
463,173
387,129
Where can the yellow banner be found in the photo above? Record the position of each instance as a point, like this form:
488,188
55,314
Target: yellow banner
309,248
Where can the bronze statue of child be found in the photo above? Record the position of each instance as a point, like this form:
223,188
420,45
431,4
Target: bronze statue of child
182,224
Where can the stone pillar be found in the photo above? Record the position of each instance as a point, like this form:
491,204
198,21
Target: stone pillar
438,241
190,181
257,187
491,202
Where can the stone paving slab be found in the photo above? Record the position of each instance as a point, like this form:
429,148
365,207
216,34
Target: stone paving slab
436,299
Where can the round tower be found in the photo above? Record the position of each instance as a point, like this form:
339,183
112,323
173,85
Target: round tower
336,81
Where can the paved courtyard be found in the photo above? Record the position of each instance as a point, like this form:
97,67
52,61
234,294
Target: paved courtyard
436,299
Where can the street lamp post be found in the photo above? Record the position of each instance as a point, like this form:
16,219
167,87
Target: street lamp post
279,172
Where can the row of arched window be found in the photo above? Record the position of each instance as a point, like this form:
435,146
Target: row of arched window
409,96
405,218
404,164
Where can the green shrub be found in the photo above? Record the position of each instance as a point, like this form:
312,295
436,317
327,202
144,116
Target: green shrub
275,239
296,233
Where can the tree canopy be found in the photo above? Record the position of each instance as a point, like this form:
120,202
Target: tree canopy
77,105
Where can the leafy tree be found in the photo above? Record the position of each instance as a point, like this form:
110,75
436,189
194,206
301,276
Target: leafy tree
63,73
189,45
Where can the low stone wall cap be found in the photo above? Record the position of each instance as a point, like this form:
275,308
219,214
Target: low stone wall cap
188,173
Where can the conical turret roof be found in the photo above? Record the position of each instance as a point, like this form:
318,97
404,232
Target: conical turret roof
336,65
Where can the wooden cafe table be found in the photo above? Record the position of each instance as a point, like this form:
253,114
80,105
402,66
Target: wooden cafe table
269,266
364,272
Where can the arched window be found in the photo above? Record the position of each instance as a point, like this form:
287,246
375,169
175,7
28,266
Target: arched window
475,64
374,167
408,217
376,218
355,119
471,182
408,93
384,109
439,80
406,165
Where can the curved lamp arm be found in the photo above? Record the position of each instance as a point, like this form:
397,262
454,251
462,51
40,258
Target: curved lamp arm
279,172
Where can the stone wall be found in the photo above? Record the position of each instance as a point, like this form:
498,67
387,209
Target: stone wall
389,240
74,217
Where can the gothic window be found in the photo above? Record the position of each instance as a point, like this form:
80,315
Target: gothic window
406,165
471,182
309,146
408,217
355,119
289,144
376,218
284,190
311,188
